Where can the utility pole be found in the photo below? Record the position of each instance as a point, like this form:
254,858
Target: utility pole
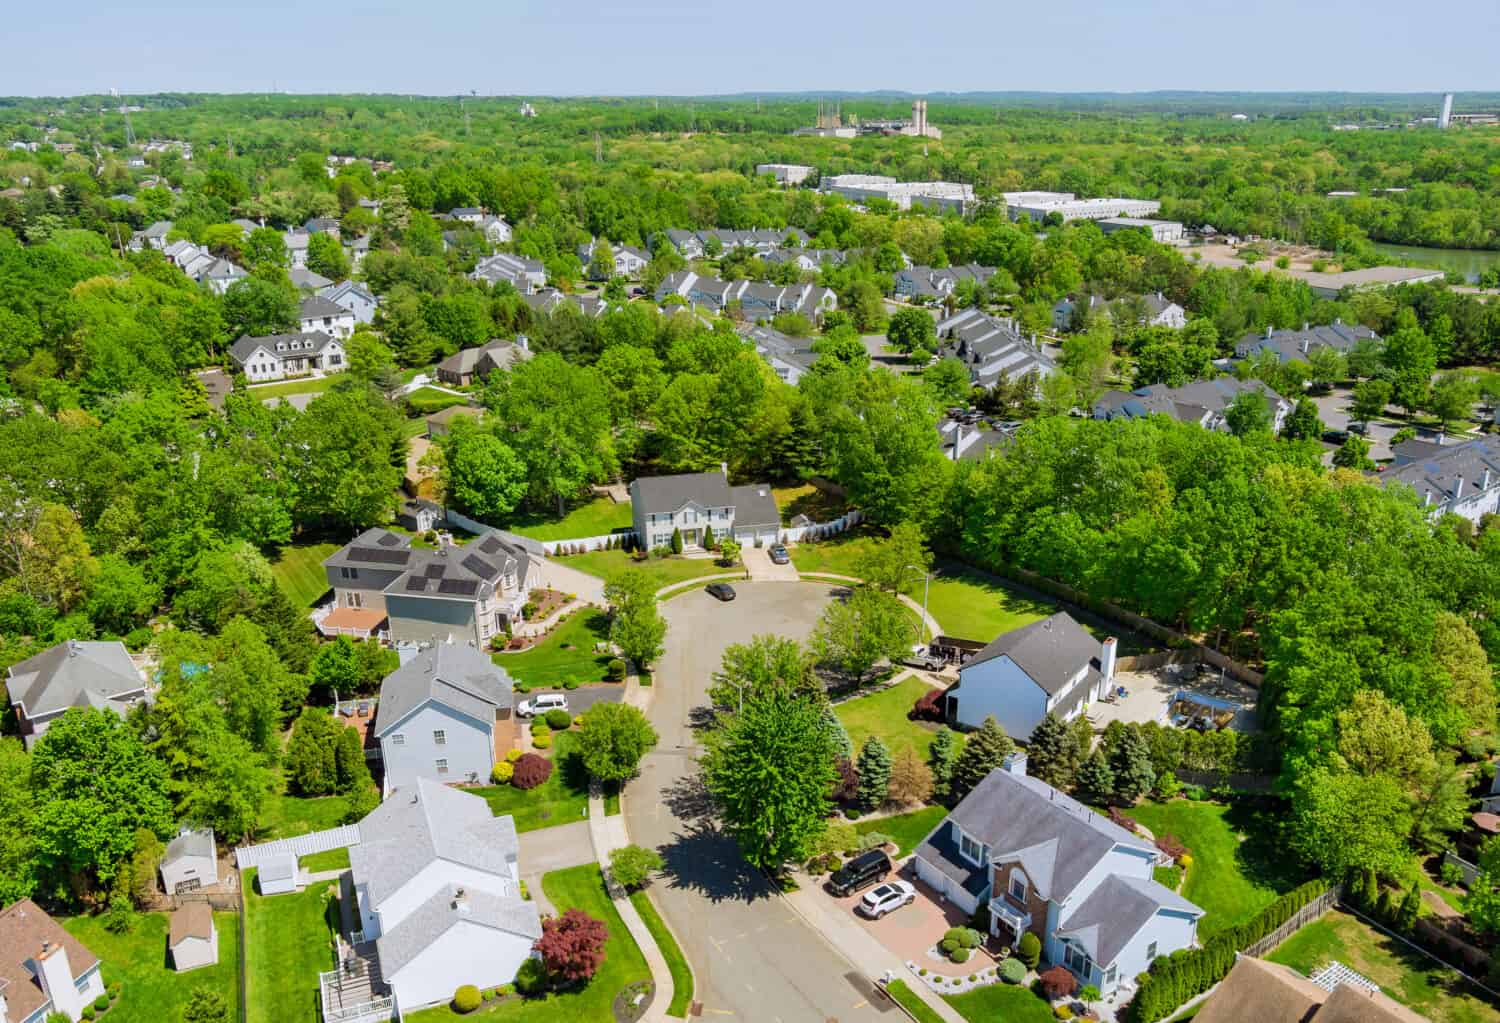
598,148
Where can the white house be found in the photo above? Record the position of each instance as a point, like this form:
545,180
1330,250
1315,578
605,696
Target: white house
192,936
436,880
43,968
295,241
629,261
74,673
524,274
355,298
325,316
693,503
444,715
1046,864
1450,479
189,862
1052,666
287,355
495,230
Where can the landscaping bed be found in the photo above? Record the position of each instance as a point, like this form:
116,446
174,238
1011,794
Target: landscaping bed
565,655
562,799
150,990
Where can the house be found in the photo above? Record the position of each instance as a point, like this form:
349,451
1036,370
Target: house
549,300
43,968
278,875
1450,479
189,862
322,225
221,275
1044,863
965,439
470,365
462,594
296,241
74,673
354,298
1052,666
307,280
687,243
806,260
435,880
1295,345
441,421
317,313
153,236
419,514
444,715
245,226
468,214
1155,310
790,357
694,502
287,355
524,274
759,301
1256,991
357,250
192,937
1203,402
629,261
495,230
991,347
923,282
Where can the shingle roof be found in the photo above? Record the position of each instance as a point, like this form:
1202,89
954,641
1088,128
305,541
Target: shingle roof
190,920
424,822
663,495
1439,471
74,673
754,505
308,343
502,352
457,676
24,928
314,306
1115,912
1256,991
198,843
444,910
1050,651
1188,403
305,278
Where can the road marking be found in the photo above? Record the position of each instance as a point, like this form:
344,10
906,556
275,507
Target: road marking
861,1003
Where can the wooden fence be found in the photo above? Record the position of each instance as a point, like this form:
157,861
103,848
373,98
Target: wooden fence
247,856
1314,910
219,902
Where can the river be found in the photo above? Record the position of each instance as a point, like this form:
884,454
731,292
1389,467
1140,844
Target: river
1469,262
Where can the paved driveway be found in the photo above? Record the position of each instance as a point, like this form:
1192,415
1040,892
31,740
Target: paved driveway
582,698
762,569
1333,409
754,959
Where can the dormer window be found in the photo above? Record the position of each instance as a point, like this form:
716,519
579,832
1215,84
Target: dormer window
970,849
281,346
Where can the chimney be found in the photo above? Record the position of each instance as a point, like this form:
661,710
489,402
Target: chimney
55,974
1427,499
724,468
1306,326
1107,659
461,901
1014,763
1458,489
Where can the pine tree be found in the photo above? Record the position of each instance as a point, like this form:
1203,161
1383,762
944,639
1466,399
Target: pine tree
676,541
1406,916
708,536
1130,762
1052,754
943,756
984,751
874,773
842,743
1095,780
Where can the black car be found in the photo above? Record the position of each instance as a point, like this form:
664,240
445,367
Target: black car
1357,427
779,556
722,591
1335,436
860,872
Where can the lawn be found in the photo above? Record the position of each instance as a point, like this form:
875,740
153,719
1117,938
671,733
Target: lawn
664,571
427,400
1404,974
298,569
1006,1002
1237,868
566,655
574,888
808,500
307,385
150,989
682,976
908,829
884,714
562,799
596,518
288,942
333,859
283,815
903,996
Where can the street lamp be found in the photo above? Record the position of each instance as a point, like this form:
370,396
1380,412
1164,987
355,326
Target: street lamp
926,588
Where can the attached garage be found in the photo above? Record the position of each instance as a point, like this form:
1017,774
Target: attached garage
943,868
756,517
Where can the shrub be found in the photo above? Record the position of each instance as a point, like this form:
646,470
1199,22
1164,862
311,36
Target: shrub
571,684
948,945
961,954
616,670
1029,951
1089,993
531,978
512,755
929,706
502,772
505,990
466,998
572,945
101,1003
632,865
1062,1012
980,921
1171,845
540,727
874,840
1012,971
559,720
1058,982
1449,873
88,1012
1123,820
113,990
530,771
543,741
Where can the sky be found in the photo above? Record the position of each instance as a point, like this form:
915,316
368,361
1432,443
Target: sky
701,47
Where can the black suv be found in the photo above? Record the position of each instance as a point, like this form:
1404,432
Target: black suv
860,872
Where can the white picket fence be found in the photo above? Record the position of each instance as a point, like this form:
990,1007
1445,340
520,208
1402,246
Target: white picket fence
247,856
589,543
822,530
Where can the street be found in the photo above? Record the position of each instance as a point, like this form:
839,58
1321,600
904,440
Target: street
754,959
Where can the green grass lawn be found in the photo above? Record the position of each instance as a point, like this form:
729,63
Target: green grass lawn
427,400
562,799
566,655
151,990
596,518
884,714
664,571
1237,869
682,976
307,385
1007,1002
574,888
1404,974
284,815
903,995
333,859
298,569
908,829
288,942
807,500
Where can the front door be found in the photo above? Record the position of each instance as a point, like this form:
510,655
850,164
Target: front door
692,537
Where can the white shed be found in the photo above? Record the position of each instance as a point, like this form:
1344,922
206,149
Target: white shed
190,862
192,937
278,876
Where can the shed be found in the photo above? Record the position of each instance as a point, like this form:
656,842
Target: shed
192,937
190,862
278,875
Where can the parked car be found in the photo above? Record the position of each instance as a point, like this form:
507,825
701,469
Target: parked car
541,704
919,656
864,870
885,898
779,556
1335,436
1358,427
723,591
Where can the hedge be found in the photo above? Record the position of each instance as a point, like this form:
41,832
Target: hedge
1187,973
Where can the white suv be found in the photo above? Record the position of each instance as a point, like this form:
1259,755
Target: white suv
541,704
881,899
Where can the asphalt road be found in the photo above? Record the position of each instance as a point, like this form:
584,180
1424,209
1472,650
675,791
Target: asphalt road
1333,409
582,698
752,957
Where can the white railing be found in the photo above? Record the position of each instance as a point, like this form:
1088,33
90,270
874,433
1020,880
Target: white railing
343,837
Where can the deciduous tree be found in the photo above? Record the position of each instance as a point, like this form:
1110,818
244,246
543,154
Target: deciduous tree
615,737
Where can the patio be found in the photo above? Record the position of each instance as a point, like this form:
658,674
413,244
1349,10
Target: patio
912,932
1149,696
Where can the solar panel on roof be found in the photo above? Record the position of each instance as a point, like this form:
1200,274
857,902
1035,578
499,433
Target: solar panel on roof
376,555
466,587
389,540
415,584
478,566
490,544
433,571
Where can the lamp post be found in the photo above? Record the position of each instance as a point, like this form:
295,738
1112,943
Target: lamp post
926,589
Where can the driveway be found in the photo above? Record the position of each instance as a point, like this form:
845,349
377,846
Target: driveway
554,575
582,698
911,932
762,569
753,957
1333,409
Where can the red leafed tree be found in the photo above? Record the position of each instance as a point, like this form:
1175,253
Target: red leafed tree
572,945
1058,982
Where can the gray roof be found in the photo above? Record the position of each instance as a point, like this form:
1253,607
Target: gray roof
468,572
793,351
457,676
1294,345
424,822
74,673
754,505
305,278
1187,404
374,546
1439,472
1050,651
189,843
316,305
278,868
334,292
1115,912
446,909
663,495
306,344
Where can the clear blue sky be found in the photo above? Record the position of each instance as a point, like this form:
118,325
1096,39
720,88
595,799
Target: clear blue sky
697,47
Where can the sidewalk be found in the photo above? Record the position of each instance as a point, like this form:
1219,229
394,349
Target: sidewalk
933,628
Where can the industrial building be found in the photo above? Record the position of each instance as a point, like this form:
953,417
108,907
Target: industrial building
1037,206
1168,232
938,195
787,174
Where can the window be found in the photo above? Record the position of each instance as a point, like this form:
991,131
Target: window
1150,952
398,739
970,849
81,984
442,767
1078,961
1018,886
354,600
439,737
348,573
